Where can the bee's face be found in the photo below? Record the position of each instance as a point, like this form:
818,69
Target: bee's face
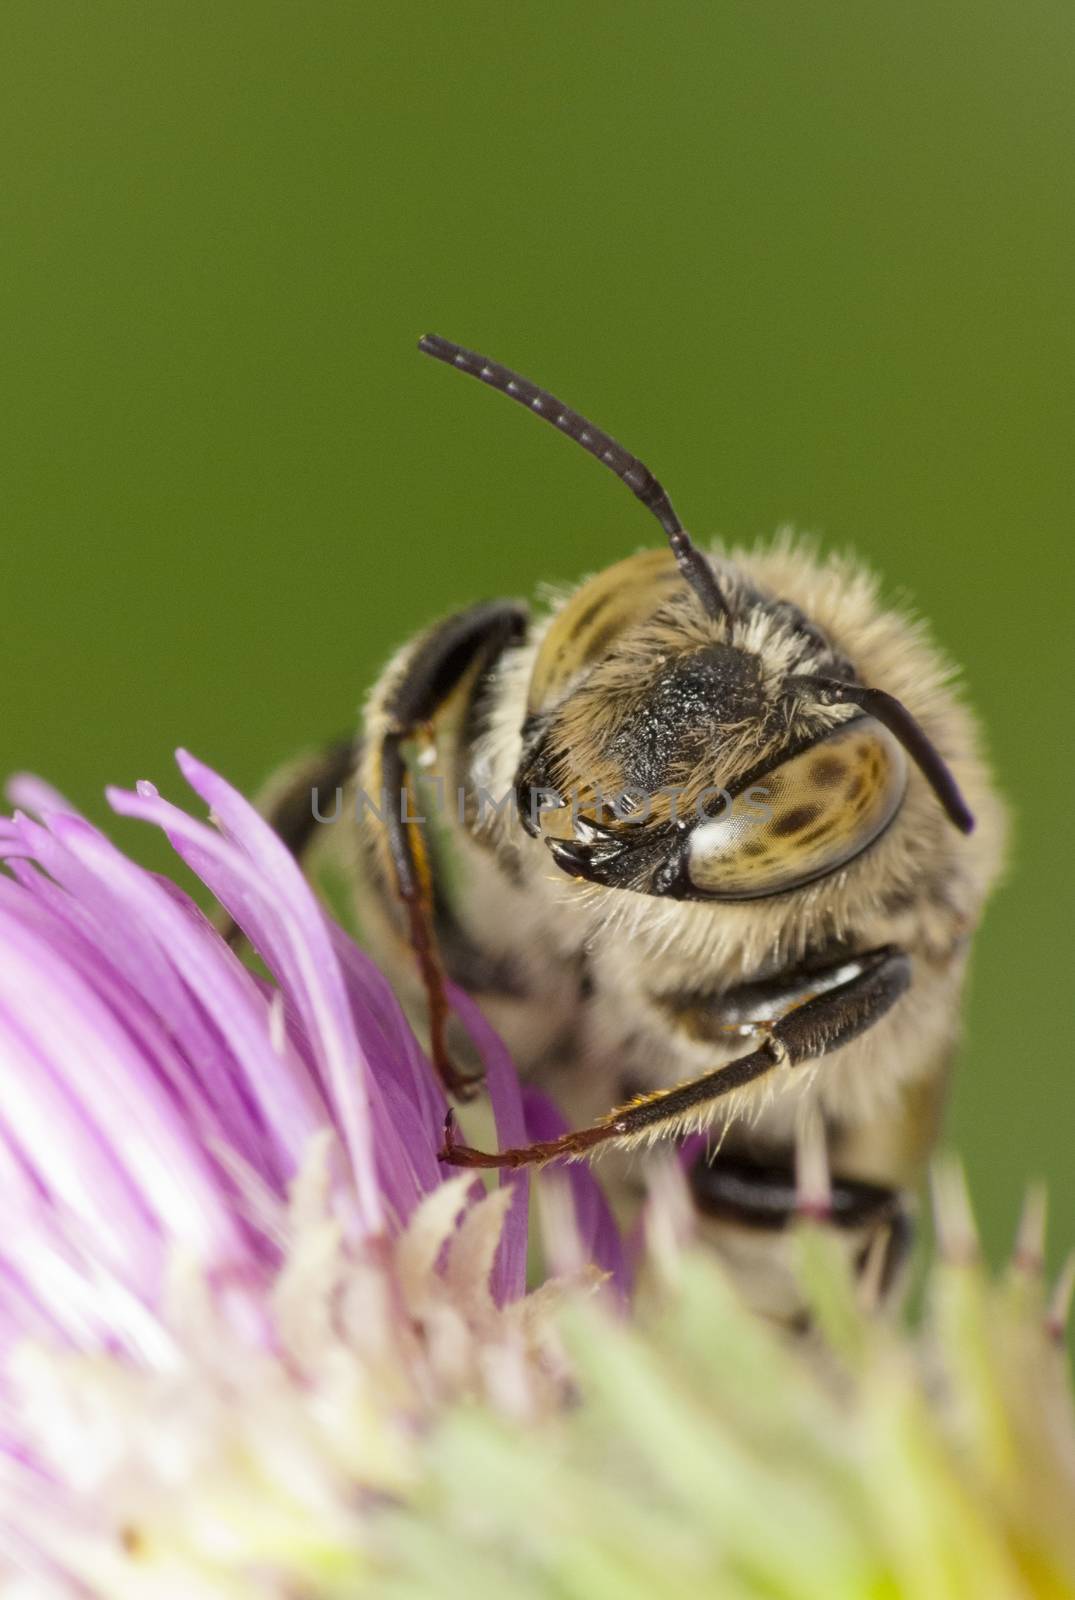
686,768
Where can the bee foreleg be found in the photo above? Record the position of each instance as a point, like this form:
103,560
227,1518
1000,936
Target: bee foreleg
819,1025
414,885
471,640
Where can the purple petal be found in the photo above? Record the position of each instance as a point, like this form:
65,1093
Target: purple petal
508,1280
306,950
72,1078
598,1234
401,1070
692,1148
279,913
156,1091
34,794
195,978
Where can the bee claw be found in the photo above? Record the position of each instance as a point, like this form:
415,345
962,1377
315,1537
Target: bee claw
454,1154
449,1134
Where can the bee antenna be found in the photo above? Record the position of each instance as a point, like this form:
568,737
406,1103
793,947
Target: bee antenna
894,715
638,478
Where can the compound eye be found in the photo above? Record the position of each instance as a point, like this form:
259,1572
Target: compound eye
804,819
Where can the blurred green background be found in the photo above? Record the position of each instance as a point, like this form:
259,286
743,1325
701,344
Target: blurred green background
812,260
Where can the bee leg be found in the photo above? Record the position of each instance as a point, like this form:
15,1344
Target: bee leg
768,1196
811,1030
414,885
471,639
292,799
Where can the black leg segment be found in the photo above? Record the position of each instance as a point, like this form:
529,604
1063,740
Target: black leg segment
810,1031
765,1196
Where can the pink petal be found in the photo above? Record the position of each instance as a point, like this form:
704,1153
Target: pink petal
509,1269
270,899
598,1234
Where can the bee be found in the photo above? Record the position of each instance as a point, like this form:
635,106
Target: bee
714,834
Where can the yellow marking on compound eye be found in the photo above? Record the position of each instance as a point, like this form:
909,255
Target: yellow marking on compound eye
827,805
595,615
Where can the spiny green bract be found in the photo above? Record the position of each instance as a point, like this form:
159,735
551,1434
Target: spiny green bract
708,1458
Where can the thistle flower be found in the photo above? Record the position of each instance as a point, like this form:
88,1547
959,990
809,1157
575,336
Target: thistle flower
233,1281
257,1343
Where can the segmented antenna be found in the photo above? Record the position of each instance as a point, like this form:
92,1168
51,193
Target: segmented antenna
894,715
638,478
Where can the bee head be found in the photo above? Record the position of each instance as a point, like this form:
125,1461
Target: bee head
675,756
688,736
